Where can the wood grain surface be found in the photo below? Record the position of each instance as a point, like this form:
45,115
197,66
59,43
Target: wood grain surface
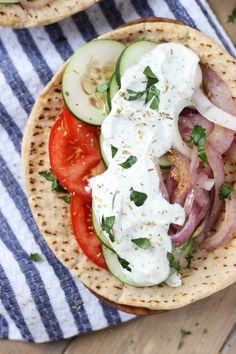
210,321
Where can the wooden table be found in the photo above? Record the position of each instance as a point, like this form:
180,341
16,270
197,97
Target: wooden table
212,321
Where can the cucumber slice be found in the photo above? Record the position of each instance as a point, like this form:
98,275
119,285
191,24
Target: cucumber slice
131,56
165,163
102,151
92,65
113,88
99,232
114,266
9,1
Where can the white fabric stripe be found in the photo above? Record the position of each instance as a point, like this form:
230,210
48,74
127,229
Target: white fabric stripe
160,8
14,332
199,18
55,293
98,20
126,316
19,285
72,34
47,49
217,23
8,149
95,313
127,10
23,65
11,104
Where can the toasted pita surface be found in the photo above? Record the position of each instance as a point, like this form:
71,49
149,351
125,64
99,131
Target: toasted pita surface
211,271
14,15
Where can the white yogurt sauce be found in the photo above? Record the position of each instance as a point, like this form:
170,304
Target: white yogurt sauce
135,129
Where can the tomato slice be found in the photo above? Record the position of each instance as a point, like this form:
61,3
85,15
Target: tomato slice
81,217
73,153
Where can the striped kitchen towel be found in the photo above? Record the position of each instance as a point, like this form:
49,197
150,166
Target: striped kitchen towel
42,301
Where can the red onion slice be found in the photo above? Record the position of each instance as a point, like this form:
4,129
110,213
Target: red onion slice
226,230
36,4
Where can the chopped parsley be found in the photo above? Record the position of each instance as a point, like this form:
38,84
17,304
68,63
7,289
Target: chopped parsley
137,197
186,250
232,16
35,257
129,162
66,199
151,92
107,225
198,137
113,151
184,333
56,186
174,265
225,191
102,88
124,263
142,242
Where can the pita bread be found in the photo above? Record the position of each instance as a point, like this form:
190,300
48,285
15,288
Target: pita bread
14,15
211,272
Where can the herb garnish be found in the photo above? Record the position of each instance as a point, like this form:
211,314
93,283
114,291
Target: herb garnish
124,263
113,151
186,250
184,333
142,242
198,137
107,225
56,186
225,191
232,16
137,197
35,257
102,88
174,265
152,93
129,162
66,199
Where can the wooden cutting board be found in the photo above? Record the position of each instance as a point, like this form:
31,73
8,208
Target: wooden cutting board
210,321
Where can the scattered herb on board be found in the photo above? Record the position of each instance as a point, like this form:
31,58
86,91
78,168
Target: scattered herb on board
142,242
124,263
131,160
232,16
225,191
107,225
198,137
184,333
35,257
137,197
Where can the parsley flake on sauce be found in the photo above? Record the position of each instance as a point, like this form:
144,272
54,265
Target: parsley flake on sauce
131,160
137,197
142,242
113,151
225,191
198,137
124,263
107,225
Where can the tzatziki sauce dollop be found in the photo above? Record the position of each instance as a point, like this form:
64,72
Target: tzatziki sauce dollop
142,135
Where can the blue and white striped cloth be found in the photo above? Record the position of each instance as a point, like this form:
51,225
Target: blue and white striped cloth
42,301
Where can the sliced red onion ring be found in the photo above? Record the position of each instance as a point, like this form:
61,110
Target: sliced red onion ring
170,184
194,165
36,4
188,204
226,230
189,226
